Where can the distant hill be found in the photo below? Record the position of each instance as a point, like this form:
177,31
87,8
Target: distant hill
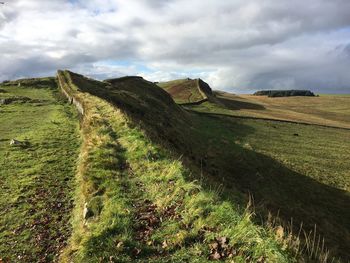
284,93
188,90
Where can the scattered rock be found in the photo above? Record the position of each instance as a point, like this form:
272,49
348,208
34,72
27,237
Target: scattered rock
15,142
87,213
247,146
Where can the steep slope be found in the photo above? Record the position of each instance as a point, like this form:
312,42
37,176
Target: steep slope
210,148
138,200
184,91
145,103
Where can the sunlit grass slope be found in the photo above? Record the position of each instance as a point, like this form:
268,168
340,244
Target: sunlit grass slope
37,178
290,175
298,171
142,205
330,110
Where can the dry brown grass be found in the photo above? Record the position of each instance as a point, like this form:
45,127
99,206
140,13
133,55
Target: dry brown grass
329,110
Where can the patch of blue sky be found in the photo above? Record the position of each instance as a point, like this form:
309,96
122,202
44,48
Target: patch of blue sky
138,66
73,1
93,9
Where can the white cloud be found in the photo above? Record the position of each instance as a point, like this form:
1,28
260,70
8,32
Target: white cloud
235,45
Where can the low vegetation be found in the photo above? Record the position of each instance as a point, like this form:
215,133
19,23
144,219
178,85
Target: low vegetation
37,173
162,182
296,170
326,110
141,203
288,168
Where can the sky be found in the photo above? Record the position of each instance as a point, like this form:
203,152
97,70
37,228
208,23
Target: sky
235,45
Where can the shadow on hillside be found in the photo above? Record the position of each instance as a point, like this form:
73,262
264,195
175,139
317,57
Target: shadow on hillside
276,188
206,140
232,104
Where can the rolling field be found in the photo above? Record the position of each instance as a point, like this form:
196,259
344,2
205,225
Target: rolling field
302,178
36,178
289,152
298,171
329,110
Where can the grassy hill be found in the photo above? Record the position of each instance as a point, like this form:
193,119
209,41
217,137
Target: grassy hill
185,91
162,182
144,205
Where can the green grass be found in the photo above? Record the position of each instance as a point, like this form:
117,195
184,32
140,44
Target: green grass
302,177
316,152
162,183
146,206
36,180
217,151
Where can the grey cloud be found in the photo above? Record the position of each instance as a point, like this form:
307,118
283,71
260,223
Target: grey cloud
347,50
236,45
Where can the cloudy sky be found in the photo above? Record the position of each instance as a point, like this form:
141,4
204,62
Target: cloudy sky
234,45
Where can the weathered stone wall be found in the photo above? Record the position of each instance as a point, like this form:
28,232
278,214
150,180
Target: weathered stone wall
64,85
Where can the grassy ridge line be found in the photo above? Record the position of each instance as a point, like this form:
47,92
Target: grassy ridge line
69,92
97,176
120,171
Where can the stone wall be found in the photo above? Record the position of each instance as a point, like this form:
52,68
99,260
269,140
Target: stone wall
66,89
